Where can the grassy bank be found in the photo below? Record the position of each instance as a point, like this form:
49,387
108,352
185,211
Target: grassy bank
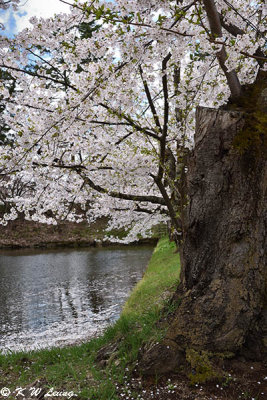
101,368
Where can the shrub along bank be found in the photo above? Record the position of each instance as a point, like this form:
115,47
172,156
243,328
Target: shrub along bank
101,368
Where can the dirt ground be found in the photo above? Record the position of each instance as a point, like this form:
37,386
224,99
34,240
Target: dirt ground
243,380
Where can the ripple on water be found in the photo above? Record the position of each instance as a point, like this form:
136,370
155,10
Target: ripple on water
58,298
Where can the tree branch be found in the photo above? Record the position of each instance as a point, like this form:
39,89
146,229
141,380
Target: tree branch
46,62
229,27
243,18
62,166
123,138
216,31
166,117
123,196
175,220
131,122
150,101
91,91
144,210
110,123
36,75
150,26
235,30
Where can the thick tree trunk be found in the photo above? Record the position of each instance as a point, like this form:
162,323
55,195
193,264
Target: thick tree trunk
223,280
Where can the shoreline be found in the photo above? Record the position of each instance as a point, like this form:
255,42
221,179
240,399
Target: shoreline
74,244
22,234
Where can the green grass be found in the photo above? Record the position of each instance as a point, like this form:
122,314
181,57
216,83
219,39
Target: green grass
160,277
75,368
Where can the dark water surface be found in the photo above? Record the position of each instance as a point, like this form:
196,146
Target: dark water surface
53,298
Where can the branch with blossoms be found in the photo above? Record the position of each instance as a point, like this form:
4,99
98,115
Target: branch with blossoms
5,4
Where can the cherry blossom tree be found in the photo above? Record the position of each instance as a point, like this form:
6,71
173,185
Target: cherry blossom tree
104,117
107,119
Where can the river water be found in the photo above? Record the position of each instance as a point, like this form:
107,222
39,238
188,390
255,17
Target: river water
59,297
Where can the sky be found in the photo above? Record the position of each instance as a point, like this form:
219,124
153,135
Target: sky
15,21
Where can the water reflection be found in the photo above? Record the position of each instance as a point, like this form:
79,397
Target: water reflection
57,297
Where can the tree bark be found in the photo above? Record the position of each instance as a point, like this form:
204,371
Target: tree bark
223,278
223,305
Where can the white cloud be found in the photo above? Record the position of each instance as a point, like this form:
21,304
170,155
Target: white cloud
39,8
30,8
